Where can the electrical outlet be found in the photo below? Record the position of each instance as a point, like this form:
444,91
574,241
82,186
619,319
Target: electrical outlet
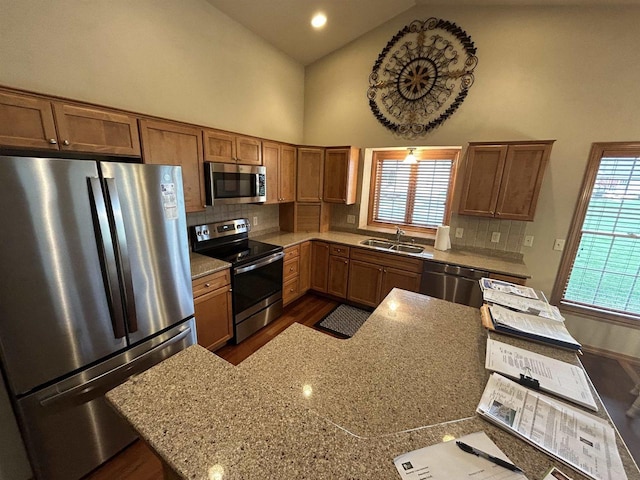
351,219
255,221
495,237
528,241
558,244
459,232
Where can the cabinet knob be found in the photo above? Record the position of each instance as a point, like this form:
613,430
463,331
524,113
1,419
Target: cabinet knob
497,214
345,262
207,285
291,269
66,142
53,141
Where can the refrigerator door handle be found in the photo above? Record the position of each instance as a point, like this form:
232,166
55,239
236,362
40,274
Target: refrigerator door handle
104,382
123,250
105,245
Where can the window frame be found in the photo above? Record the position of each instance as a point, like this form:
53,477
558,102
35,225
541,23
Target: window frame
598,151
421,154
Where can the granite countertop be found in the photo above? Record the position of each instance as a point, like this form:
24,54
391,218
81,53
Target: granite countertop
463,258
202,265
311,406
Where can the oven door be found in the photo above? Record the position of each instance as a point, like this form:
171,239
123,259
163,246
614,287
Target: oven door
231,184
255,284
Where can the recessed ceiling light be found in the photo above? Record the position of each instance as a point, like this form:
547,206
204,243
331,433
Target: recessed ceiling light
318,20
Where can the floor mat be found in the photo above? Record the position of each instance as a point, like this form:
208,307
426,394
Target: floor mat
344,320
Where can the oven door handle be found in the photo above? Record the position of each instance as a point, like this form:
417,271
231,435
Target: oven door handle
266,261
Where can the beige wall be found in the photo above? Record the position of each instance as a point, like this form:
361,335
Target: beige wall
569,74
183,60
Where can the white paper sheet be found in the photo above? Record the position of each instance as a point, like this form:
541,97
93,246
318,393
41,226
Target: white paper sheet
561,378
508,287
581,440
522,304
446,461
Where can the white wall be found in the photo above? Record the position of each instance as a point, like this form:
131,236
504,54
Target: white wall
564,73
182,60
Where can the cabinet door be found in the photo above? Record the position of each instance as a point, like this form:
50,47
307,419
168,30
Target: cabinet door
26,122
305,267
219,147
340,175
287,174
214,320
483,172
271,158
394,278
319,266
310,171
177,144
521,181
248,151
365,282
82,129
338,276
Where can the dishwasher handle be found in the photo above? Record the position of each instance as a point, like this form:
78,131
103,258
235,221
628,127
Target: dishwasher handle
456,270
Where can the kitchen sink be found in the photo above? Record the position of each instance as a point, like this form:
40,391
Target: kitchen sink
398,247
407,248
372,242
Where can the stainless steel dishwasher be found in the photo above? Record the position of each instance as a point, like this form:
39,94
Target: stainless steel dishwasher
453,283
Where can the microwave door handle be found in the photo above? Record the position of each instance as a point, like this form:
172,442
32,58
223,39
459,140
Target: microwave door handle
265,261
107,254
123,254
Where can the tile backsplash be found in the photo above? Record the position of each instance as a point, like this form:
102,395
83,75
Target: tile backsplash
268,216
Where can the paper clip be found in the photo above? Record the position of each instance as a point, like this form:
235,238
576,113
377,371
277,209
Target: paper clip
528,380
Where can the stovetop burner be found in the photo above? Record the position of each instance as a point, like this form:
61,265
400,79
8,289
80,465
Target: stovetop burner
229,241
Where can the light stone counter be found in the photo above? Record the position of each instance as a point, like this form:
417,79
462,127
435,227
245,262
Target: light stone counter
202,265
463,258
310,406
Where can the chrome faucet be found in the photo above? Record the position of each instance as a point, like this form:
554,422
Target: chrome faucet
399,233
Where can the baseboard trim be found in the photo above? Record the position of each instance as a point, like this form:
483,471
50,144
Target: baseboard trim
613,355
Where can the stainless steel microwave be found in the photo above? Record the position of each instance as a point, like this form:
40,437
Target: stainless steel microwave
228,183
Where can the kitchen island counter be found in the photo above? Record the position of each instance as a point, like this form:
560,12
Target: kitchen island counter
310,406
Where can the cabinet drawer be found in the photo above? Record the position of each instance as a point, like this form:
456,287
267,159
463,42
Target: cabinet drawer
291,252
211,282
387,259
291,269
339,250
290,290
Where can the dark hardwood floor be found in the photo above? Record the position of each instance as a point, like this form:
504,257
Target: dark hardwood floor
611,379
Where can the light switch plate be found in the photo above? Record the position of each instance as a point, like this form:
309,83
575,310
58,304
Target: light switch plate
528,241
351,219
558,244
255,221
495,237
459,232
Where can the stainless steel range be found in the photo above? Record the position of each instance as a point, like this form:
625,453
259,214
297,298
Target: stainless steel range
256,272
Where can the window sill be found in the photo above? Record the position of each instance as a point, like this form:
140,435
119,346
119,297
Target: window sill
628,321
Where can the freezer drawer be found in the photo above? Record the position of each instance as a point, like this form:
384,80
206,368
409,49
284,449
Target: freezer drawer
70,429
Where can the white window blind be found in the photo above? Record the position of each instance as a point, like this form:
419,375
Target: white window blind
606,269
416,195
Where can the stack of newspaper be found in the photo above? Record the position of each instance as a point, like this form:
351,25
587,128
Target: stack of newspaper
520,311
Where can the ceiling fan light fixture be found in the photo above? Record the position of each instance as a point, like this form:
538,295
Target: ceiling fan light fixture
319,20
410,158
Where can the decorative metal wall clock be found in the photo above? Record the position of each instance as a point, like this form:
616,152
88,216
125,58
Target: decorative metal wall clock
422,76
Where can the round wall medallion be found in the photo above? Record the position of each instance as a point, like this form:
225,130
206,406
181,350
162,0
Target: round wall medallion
422,76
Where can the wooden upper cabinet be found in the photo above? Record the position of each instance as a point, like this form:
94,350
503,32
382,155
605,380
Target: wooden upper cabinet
310,172
504,180
171,143
229,148
341,175
280,161
29,122
26,122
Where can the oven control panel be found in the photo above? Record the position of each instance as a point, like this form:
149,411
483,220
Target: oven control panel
210,231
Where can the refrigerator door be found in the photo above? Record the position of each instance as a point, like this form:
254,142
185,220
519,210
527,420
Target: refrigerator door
56,303
150,227
71,429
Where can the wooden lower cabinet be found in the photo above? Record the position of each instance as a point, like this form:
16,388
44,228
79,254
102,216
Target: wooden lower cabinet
372,275
305,267
214,318
338,278
508,278
319,266
295,272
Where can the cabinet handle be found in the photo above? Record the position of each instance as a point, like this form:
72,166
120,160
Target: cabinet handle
66,143
53,141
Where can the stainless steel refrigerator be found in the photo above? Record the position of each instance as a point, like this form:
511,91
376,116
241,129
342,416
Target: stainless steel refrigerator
95,287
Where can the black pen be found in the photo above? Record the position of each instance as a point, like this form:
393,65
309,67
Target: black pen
491,458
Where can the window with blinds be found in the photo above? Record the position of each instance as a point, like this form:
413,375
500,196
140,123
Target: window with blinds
416,196
603,268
